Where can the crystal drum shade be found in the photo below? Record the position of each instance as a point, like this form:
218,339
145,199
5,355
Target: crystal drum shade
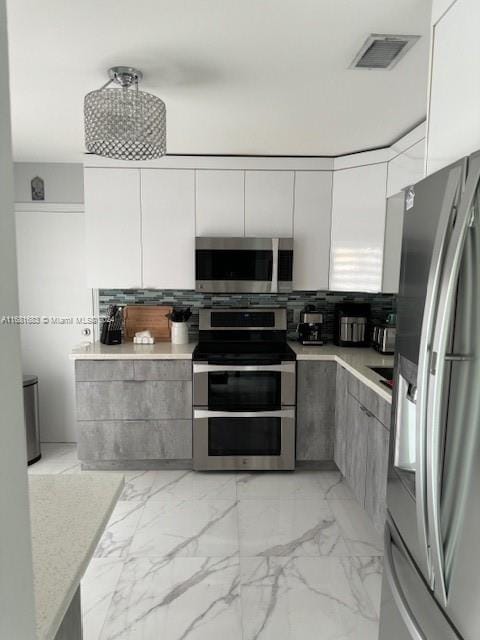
125,123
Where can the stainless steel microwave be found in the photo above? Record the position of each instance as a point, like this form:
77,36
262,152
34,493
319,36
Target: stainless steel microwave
243,265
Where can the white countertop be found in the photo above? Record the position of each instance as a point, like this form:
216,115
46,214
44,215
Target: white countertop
356,360
68,515
130,351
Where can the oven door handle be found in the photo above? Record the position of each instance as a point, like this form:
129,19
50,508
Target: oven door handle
282,368
282,413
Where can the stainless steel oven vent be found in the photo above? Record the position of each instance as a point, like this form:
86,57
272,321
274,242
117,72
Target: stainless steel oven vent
382,51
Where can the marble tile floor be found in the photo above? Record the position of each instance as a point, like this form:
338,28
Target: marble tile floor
211,556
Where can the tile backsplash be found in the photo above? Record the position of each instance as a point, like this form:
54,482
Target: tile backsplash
324,301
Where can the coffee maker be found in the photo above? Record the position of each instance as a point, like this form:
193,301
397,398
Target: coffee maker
310,326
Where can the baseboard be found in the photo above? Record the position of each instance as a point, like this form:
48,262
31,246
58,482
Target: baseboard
316,465
133,465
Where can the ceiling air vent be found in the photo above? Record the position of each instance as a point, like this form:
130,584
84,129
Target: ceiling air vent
382,51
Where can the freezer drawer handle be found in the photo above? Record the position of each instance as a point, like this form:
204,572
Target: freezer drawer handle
396,589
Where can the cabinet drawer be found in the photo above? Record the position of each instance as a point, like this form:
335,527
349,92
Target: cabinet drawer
130,400
162,369
367,397
98,370
135,440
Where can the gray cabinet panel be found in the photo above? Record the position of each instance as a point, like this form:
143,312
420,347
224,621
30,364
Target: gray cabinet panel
356,448
341,417
98,370
376,473
162,369
315,410
380,408
128,400
135,440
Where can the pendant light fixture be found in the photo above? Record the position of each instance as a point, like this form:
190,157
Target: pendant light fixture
122,122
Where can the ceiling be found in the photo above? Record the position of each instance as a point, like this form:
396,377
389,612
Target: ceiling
265,77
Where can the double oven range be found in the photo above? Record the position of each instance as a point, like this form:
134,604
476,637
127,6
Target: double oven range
244,391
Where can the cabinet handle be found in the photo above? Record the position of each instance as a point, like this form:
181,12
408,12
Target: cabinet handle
366,411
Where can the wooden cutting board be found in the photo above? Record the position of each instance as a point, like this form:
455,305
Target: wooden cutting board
141,317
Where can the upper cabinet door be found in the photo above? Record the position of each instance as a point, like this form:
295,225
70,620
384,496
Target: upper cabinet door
168,228
453,117
358,227
220,203
112,220
269,204
311,229
406,169
392,252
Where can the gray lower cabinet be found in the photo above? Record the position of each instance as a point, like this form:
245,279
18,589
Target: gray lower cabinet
134,412
315,410
376,472
356,448
134,400
341,418
362,443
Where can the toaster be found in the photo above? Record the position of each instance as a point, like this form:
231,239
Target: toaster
384,337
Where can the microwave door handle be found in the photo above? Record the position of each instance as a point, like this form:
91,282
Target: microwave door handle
454,182
274,287
440,357
396,589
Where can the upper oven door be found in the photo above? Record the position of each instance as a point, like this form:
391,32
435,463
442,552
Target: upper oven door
244,388
243,265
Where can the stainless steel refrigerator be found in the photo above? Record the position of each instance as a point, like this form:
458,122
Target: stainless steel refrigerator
431,583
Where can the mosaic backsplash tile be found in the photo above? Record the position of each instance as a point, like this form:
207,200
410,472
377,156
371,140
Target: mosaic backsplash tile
324,301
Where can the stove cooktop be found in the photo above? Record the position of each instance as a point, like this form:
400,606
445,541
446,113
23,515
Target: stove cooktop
243,352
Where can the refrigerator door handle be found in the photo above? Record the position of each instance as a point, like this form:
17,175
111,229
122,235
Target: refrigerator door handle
452,191
440,346
396,588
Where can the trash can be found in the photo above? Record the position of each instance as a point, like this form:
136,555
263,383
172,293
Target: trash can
32,426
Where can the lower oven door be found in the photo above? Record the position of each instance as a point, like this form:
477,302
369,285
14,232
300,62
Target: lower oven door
262,440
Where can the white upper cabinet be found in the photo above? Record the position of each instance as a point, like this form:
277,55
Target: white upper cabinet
453,119
311,229
358,227
220,203
407,168
168,228
269,203
392,252
113,223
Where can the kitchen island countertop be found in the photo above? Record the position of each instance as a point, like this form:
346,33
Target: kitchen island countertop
68,514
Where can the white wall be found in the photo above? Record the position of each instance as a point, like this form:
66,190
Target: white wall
52,283
439,7
17,611
63,181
